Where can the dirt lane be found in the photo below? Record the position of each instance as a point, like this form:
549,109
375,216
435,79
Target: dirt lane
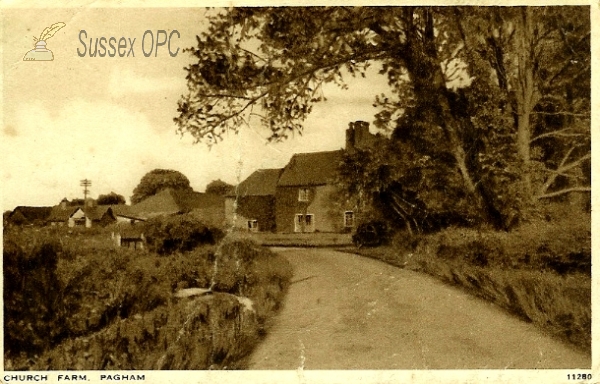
348,312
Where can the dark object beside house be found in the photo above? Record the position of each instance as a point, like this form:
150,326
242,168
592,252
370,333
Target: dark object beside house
371,234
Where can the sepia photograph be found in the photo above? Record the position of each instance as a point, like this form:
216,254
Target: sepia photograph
387,190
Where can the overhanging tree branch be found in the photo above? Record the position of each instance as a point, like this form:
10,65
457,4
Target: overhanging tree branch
562,168
559,133
564,191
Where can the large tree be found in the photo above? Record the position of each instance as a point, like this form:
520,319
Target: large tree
111,198
218,187
540,62
158,180
493,100
76,202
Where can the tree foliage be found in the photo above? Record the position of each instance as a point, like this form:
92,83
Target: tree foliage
218,187
489,107
76,202
179,233
158,180
111,198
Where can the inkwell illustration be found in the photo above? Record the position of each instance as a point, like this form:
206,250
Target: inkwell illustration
41,53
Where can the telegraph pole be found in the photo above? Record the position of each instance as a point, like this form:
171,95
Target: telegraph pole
85,183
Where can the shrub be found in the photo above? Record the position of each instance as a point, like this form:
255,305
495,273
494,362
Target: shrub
119,283
113,308
179,233
540,271
371,234
211,332
139,325
541,245
33,315
241,264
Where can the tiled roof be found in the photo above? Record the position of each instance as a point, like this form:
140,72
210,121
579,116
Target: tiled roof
121,209
96,212
197,200
32,213
317,168
262,182
60,214
129,231
126,211
161,203
173,201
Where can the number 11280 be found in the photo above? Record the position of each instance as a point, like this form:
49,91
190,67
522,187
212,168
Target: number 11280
579,376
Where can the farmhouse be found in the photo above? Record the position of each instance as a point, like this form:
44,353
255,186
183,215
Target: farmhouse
251,205
305,191
301,197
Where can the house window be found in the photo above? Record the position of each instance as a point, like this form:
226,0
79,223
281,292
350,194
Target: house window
348,219
253,225
303,194
299,223
308,221
304,223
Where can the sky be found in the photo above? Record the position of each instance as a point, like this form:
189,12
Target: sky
110,120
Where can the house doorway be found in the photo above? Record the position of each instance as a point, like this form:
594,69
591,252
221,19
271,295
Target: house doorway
304,222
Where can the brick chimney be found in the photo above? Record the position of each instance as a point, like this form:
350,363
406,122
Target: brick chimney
358,136
63,203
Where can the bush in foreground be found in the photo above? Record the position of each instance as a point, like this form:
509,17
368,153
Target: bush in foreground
124,315
198,333
179,233
33,311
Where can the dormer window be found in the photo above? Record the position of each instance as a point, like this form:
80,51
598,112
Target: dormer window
303,194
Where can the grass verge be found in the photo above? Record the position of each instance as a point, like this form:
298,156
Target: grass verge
541,273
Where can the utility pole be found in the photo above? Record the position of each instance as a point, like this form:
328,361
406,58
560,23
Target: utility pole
85,183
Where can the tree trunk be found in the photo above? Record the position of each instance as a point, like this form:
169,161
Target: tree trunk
430,90
525,93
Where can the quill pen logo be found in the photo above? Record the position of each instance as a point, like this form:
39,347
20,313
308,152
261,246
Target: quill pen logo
40,52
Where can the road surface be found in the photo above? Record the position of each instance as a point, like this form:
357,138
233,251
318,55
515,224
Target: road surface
349,312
